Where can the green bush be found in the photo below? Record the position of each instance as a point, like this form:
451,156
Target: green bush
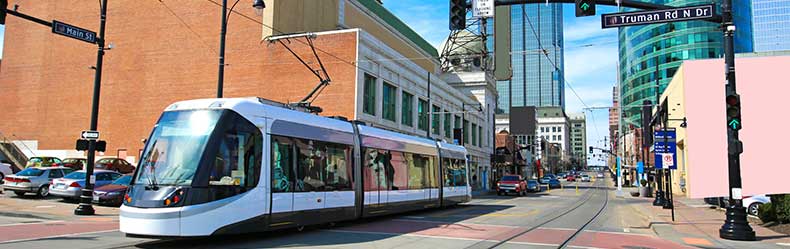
781,205
767,213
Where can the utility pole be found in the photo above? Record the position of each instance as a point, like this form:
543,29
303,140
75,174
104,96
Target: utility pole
659,201
221,77
735,226
85,207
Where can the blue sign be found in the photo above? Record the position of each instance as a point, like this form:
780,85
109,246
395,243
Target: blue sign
618,167
640,167
664,143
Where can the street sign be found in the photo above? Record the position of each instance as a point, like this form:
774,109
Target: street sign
665,144
483,8
89,135
668,159
657,16
585,8
73,32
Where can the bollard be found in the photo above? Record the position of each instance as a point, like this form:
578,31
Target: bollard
577,188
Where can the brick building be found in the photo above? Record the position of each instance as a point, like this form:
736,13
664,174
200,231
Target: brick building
167,51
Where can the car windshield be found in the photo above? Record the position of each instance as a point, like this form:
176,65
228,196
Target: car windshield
105,161
532,182
172,155
510,178
30,172
76,175
71,160
124,180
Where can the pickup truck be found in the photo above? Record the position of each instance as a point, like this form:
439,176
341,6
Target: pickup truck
511,184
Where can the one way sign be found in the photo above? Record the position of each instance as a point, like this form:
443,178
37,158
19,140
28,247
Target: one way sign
89,135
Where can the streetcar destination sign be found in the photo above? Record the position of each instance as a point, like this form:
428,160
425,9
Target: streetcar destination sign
657,16
73,32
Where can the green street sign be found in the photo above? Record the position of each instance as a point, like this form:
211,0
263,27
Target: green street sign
585,8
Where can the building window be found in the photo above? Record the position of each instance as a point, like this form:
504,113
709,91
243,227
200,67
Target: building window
542,129
369,99
436,120
553,137
559,137
457,125
407,109
448,125
474,134
554,129
422,111
559,129
480,135
388,108
466,131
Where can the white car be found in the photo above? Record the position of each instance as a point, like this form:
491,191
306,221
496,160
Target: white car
5,170
585,178
753,203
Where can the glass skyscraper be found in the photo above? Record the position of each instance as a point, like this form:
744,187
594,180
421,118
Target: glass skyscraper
668,44
537,58
771,25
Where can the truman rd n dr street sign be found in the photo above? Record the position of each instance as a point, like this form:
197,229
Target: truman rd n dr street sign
657,16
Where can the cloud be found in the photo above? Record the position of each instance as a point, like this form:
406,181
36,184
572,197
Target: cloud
583,31
427,18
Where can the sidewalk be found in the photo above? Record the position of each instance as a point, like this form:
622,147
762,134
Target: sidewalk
696,224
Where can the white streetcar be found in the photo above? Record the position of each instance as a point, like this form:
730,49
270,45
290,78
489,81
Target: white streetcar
228,166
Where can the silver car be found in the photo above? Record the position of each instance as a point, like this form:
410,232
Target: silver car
33,180
70,186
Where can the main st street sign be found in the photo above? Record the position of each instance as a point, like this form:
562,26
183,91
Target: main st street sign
657,16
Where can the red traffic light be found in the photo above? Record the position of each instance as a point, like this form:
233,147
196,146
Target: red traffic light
732,99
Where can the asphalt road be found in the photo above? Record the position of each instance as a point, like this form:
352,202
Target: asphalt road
546,219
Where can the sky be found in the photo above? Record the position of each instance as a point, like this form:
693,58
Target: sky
590,56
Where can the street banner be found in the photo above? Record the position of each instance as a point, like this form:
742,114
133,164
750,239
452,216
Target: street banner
640,167
665,147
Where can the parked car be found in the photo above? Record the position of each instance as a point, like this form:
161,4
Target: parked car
33,180
70,186
544,180
751,203
570,178
600,175
112,194
562,175
115,164
533,186
511,184
75,163
585,178
43,161
554,183
5,169
552,176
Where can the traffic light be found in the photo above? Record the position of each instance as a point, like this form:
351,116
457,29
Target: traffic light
591,149
457,14
3,6
734,111
585,8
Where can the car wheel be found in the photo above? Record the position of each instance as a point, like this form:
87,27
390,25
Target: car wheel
19,193
754,208
43,191
2,178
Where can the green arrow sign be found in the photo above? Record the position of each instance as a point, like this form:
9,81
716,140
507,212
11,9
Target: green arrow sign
734,124
585,6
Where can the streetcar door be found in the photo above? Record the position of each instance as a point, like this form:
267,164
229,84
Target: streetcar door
375,178
282,184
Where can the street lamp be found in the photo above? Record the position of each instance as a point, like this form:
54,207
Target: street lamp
258,5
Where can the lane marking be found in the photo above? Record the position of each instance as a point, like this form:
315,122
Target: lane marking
783,244
57,236
45,206
31,223
410,235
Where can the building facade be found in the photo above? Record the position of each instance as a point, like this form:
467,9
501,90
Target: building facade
537,58
578,137
666,45
553,129
771,25
361,44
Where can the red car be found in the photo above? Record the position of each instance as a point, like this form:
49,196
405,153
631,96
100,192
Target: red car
511,184
115,164
75,163
570,178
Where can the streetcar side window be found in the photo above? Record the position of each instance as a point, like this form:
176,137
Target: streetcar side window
236,164
339,168
282,164
454,172
374,170
311,158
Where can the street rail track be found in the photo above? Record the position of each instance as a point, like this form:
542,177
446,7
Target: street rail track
570,239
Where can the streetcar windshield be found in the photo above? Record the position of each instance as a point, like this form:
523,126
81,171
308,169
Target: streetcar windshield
173,153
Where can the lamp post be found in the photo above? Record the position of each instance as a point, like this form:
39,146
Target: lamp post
259,6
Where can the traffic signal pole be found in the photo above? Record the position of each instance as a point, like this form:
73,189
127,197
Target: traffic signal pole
85,207
735,226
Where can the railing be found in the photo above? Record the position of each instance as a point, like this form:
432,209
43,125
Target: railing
13,153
